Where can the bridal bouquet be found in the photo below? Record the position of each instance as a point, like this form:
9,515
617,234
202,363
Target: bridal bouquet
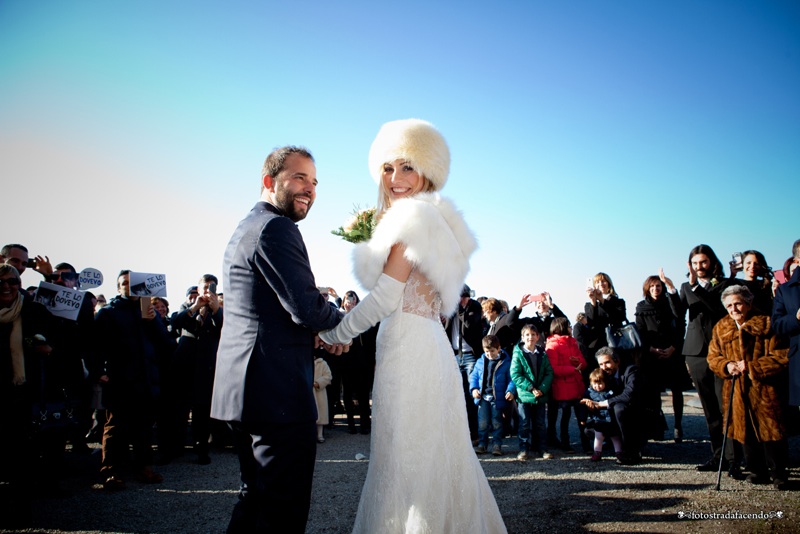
359,227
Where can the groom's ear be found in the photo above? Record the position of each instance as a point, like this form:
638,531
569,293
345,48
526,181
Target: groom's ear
268,183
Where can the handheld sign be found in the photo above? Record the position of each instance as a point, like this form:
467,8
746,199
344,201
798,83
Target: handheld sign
60,301
90,278
148,285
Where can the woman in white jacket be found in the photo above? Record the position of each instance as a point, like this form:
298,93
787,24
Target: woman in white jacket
423,474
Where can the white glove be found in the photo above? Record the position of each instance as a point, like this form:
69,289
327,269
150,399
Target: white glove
381,301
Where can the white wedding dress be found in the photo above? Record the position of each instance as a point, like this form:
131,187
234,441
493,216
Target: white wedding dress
423,474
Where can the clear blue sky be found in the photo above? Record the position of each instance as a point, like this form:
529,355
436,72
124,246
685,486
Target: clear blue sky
585,136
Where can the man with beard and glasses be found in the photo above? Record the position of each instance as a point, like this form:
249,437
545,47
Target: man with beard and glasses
265,366
700,296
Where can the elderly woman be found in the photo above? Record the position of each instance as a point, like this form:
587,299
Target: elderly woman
24,329
744,347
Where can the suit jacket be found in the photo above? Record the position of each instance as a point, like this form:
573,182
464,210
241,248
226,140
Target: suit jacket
265,362
506,329
705,309
471,325
785,323
625,387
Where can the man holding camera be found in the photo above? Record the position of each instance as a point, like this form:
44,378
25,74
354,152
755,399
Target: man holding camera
16,255
200,325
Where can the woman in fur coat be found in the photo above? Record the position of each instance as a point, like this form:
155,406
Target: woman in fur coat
745,347
423,474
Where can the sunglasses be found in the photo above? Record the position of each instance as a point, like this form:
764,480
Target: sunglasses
9,281
65,276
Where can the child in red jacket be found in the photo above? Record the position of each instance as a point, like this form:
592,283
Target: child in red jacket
568,362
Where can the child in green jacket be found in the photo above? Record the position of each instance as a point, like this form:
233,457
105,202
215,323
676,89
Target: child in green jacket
532,375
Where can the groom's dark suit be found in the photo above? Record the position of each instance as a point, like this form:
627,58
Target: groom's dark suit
265,369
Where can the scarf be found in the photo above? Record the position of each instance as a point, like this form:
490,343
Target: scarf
12,315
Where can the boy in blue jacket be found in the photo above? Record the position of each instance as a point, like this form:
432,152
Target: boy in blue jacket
492,389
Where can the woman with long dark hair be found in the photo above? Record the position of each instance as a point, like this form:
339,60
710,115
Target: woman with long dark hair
757,276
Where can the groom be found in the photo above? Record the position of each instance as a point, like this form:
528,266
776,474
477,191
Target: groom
265,362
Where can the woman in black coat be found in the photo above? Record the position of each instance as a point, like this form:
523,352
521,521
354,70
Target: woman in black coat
358,372
604,309
757,276
661,328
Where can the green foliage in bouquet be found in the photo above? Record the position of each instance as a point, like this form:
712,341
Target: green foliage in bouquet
359,227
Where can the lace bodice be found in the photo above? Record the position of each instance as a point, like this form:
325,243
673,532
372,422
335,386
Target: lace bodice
420,297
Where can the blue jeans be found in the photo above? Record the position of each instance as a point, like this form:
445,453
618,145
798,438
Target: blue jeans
488,411
465,363
532,427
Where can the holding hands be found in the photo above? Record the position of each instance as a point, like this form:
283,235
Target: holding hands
337,349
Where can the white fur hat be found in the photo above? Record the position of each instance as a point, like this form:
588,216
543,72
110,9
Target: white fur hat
415,141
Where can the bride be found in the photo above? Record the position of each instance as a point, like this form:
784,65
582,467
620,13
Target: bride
423,474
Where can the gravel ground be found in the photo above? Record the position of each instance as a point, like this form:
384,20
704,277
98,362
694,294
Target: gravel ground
568,493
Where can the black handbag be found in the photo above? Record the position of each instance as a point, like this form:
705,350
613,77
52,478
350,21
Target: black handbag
51,415
625,337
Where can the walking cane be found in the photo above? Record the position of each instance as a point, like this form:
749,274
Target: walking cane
725,434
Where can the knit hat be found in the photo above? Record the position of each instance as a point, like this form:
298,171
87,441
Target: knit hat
415,141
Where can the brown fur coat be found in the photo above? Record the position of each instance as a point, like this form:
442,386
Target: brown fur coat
756,394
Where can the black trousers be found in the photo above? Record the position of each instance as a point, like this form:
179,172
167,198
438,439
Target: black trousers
277,467
709,389
630,422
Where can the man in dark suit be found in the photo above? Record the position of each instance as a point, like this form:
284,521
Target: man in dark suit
263,382
625,406
700,296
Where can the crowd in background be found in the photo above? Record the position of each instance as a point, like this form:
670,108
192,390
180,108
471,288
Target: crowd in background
132,376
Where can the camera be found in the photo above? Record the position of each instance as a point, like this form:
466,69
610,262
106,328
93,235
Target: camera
31,263
736,260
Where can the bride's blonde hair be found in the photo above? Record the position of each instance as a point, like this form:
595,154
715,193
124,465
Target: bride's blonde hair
384,200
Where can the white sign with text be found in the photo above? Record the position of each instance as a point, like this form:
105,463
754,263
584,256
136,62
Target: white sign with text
90,278
148,285
59,300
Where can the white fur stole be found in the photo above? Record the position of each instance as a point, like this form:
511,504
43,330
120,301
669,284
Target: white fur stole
437,240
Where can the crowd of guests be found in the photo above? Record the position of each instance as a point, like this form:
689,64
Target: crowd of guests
124,373
733,340
130,375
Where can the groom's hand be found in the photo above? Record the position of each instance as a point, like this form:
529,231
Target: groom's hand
337,349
